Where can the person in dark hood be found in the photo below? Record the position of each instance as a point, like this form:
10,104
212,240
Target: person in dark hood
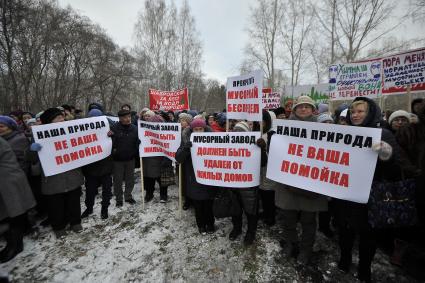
202,196
416,105
341,110
352,218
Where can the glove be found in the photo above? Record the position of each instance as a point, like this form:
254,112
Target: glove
188,145
261,143
35,147
384,150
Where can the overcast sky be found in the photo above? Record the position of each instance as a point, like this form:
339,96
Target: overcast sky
221,24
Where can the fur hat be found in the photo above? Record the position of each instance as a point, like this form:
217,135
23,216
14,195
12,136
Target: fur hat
123,112
50,114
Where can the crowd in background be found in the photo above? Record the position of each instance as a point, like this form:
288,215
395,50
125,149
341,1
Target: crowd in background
28,198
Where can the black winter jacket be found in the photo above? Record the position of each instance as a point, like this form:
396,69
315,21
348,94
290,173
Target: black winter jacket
125,142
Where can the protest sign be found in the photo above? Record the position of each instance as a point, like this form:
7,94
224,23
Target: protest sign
271,100
226,159
331,160
159,139
169,100
243,100
402,70
72,144
351,80
318,92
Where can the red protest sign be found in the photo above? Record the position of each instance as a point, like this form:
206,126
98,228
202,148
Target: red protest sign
169,100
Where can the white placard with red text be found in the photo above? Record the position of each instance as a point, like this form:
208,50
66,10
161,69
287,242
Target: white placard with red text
244,97
331,160
226,159
72,144
159,139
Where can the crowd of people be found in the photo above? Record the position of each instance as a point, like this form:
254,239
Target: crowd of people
55,200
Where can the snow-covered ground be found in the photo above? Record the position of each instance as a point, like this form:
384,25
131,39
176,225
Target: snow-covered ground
156,245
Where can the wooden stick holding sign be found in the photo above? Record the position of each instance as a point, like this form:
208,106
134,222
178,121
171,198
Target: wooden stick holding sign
180,190
142,184
409,98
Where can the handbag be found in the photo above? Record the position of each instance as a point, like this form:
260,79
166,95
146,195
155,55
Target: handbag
167,177
392,204
225,204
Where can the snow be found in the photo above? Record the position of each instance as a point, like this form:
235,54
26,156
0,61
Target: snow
157,245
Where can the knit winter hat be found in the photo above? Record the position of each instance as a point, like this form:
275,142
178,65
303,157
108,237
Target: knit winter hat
221,119
324,117
156,119
150,113
95,105
322,108
49,115
198,123
303,100
94,113
192,113
241,126
199,116
9,122
399,113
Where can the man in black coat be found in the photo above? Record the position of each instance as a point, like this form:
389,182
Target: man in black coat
125,148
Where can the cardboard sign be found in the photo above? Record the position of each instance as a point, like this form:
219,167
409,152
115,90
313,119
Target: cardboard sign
243,97
348,81
169,100
159,139
72,144
402,70
332,160
226,159
271,100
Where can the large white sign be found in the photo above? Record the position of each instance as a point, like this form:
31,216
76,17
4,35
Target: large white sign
72,144
159,139
244,97
351,80
226,159
333,160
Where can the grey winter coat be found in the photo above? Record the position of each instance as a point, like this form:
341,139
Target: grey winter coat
15,194
292,198
62,183
20,146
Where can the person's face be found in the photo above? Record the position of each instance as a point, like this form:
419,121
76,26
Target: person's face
184,124
398,122
304,110
171,116
417,107
342,121
4,130
281,116
210,120
59,118
251,124
125,120
26,117
358,114
146,116
198,129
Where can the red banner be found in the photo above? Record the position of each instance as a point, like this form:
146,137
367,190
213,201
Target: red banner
169,100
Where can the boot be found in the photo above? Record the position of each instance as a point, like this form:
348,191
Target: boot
14,244
252,228
163,194
77,228
104,212
148,196
400,247
86,213
237,227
